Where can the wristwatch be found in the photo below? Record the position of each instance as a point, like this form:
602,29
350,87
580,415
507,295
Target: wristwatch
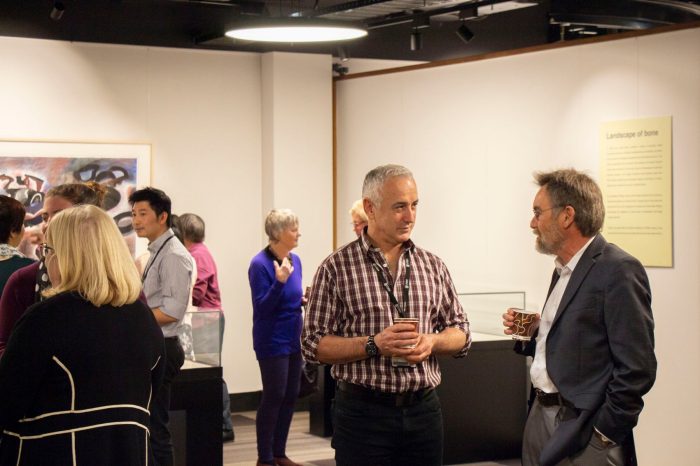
371,347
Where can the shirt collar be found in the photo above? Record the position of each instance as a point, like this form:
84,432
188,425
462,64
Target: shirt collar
368,248
154,246
571,265
195,246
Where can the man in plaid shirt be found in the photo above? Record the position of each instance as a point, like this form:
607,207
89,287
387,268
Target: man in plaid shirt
386,410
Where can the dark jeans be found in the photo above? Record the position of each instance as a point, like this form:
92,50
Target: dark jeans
227,424
371,434
280,380
161,444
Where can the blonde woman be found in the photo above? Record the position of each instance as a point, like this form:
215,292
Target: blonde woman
359,217
80,368
25,286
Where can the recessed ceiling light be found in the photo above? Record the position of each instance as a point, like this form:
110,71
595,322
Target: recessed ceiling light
297,30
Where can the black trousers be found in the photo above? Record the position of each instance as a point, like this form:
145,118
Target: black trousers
161,444
372,434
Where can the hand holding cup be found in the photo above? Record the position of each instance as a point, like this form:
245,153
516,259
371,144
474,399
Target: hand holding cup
520,323
305,298
397,339
400,360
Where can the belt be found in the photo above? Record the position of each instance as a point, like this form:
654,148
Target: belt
551,399
398,400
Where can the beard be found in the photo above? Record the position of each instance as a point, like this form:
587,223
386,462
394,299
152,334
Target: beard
548,241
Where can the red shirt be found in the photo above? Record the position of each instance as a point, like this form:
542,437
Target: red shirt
205,293
19,293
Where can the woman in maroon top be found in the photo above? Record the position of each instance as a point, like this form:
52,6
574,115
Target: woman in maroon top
206,295
24,287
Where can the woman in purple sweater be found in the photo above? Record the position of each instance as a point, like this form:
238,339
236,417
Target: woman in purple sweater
275,284
24,287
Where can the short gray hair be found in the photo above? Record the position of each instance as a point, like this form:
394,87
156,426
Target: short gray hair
374,180
279,220
191,227
580,191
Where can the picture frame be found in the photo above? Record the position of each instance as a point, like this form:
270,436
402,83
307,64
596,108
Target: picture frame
28,169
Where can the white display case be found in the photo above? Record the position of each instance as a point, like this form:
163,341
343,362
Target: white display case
200,337
485,309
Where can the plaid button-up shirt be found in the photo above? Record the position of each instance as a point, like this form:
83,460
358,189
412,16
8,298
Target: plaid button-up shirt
347,299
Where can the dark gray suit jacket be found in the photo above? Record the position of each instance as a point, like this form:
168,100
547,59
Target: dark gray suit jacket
600,349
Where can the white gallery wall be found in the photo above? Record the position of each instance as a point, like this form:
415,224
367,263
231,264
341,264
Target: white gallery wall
202,112
473,133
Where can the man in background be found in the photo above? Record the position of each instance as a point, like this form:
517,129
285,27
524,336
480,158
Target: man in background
166,280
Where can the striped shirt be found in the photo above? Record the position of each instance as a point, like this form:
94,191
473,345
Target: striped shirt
348,299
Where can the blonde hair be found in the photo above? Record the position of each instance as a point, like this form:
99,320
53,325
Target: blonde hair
359,209
93,259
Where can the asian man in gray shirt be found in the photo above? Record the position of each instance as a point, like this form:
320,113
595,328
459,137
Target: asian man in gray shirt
167,284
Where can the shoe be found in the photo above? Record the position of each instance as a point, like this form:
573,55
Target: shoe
228,436
258,463
284,461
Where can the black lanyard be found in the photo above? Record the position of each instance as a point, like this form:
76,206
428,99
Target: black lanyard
403,312
150,264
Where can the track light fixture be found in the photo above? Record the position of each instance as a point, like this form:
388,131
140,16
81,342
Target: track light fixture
57,11
339,69
464,33
343,54
416,40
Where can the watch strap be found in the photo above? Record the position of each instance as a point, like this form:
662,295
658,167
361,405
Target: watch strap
371,347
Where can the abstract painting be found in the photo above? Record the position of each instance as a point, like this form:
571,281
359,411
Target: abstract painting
29,169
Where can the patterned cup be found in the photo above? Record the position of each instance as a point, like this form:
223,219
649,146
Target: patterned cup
523,324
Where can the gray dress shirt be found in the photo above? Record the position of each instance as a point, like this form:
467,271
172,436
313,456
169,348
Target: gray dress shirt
167,279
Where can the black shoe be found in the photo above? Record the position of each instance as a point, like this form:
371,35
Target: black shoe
228,436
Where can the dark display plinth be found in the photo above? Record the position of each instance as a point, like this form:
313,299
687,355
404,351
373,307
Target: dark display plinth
196,406
484,403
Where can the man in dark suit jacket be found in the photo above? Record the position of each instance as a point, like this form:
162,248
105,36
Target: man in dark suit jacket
593,348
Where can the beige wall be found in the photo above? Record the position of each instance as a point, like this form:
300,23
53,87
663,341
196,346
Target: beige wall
473,134
297,148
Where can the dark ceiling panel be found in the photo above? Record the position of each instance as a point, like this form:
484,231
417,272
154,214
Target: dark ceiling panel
201,24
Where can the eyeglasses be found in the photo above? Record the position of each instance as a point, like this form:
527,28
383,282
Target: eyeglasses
537,212
44,251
